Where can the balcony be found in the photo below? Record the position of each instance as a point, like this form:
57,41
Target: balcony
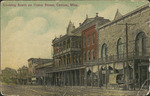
90,62
66,67
122,57
67,50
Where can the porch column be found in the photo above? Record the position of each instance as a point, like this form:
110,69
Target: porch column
139,76
75,77
92,76
106,76
124,70
114,67
134,73
68,78
98,81
64,74
85,77
65,59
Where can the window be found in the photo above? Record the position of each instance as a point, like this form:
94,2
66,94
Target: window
89,40
79,59
93,56
79,44
83,42
119,48
88,55
84,56
93,38
76,44
140,44
104,52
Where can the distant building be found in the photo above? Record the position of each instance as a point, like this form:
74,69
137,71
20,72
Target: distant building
22,76
41,73
32,62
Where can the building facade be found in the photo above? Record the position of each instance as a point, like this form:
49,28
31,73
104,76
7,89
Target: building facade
22,76
42,77
69,65
124,49
89,46
32,63
101,53
67,68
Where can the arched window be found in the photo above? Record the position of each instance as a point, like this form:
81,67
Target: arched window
140,44
119,48
104,52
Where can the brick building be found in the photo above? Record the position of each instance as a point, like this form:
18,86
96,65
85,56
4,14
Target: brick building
69,67
89,47
103,53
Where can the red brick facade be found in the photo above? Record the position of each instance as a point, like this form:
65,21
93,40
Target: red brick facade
89,43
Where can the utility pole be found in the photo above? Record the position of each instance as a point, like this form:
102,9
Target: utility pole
126,29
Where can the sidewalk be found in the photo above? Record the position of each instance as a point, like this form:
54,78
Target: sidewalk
89,91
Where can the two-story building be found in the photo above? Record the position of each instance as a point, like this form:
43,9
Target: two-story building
41,73
67,69
124,49
32,63
89,46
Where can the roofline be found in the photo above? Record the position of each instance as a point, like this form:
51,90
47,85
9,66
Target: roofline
125,16
63,38
39,58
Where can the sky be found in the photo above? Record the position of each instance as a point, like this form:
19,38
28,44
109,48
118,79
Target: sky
28,31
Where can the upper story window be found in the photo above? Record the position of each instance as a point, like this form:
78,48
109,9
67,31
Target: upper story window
93,56
88,39
140,44
84,56
119,48
79,44
104,52
83,42
93,38
76,44
88,55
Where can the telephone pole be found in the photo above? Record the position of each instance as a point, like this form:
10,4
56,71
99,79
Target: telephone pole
126,29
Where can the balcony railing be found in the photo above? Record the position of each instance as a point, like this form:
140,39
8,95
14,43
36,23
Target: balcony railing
67,50
66,67
123,57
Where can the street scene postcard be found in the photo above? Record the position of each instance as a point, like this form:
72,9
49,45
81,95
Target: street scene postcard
75,48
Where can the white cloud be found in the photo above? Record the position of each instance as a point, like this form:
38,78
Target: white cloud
24,37
32,38
37,24
15,24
